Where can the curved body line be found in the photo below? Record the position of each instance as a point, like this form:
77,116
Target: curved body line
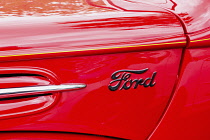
96,49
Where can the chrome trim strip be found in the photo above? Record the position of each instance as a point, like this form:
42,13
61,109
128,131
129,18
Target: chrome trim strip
48,88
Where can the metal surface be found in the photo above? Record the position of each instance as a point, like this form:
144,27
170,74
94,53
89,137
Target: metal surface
130,114
78,41
48,88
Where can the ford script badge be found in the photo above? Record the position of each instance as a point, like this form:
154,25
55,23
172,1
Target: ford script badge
122,79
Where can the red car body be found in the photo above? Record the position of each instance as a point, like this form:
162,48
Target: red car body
144,66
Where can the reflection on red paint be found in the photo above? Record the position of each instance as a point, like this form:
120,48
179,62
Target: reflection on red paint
97,110
22,8
195,14
188,114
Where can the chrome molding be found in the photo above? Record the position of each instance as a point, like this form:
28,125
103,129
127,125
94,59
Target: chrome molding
48,88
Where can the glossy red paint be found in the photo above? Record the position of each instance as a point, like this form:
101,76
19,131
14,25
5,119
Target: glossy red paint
51,136
73,33
187,116
96,109
13,105
200,39
194,14
76,41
